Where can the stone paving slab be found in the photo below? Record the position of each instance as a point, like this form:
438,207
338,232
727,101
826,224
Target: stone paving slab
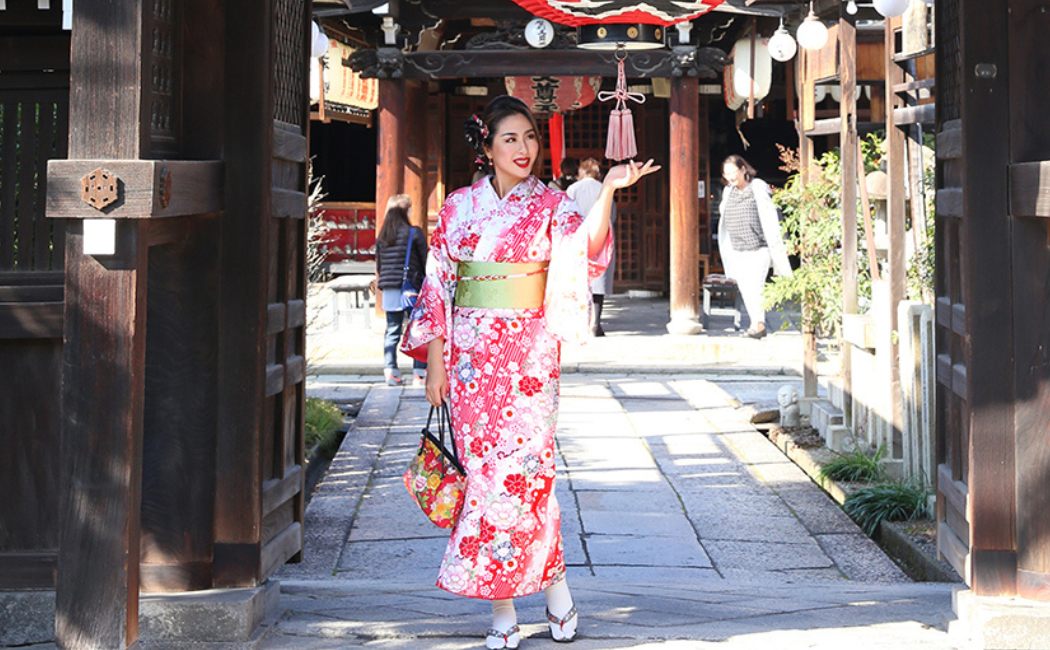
857,556
683,528
643,550
650,524
704,612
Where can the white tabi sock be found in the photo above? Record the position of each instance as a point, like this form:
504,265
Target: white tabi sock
504,616
559,603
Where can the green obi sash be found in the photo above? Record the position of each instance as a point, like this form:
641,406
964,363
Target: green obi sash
501,285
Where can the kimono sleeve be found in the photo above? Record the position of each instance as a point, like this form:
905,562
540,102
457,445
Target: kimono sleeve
433,310
567,302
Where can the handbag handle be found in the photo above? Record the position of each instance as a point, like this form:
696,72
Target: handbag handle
408,254
445,416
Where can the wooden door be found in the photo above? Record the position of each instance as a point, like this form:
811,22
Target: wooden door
260,501
34,128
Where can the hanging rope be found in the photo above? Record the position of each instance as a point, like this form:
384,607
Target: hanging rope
621,143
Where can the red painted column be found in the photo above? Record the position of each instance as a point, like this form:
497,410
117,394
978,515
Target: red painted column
415,169
685,207
390,149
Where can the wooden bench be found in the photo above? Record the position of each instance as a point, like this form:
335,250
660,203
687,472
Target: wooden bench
723,290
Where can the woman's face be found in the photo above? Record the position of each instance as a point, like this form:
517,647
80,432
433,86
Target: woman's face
733,174
513,152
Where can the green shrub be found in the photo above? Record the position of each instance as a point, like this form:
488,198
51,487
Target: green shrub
323,422
856,466
895,501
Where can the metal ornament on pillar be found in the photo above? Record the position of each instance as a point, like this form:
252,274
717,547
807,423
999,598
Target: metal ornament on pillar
892,8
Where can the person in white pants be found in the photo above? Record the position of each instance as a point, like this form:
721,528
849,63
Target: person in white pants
749,237
585,193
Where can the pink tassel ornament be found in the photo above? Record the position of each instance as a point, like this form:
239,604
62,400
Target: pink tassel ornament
628,145
621,143
612,142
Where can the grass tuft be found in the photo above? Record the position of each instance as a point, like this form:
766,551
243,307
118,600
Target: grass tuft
894,501
323,422
856,466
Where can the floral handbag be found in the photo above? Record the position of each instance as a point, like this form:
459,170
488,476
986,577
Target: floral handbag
436,479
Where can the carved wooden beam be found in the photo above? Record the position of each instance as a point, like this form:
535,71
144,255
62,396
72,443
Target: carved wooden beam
143,189
688,61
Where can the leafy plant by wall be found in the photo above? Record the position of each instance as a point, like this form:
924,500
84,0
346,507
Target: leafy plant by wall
812,229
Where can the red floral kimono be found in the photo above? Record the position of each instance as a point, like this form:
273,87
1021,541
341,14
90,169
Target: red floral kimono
503,369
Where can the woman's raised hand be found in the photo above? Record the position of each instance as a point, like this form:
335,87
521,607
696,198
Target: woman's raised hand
627,174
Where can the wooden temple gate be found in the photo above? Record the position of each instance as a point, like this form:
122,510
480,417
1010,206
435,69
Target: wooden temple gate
177,360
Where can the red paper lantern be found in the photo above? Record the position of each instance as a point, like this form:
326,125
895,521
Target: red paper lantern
547,95
586,12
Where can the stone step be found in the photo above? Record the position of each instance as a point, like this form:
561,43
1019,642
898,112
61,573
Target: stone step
823,415
839,438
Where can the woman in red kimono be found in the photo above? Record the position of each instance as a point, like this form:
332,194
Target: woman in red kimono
508,277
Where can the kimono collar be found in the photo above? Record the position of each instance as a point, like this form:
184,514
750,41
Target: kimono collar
522,190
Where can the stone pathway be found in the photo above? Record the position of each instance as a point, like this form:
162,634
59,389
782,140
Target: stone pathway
684,528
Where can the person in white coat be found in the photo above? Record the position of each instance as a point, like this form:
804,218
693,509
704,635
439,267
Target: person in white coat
749,237
585,193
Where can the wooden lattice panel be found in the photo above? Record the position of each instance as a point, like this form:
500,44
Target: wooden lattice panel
290,62
949,81
163,82
33,130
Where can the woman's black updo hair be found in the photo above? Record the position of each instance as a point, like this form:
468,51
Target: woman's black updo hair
480,130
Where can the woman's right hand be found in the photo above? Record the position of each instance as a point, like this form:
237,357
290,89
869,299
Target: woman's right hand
437,378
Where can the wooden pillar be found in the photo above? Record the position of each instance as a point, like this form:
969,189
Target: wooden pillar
685,208
416,186
805,156
104,349
249,142
897,269
390,151
1030,143
850,173
104,358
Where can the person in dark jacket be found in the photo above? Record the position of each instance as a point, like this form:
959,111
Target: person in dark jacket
391,247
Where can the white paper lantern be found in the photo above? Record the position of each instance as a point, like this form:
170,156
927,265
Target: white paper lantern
318,42
812,34
539,33
892,8
781,46
737,76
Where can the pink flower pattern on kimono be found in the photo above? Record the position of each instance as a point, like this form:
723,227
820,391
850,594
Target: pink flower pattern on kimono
503,371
